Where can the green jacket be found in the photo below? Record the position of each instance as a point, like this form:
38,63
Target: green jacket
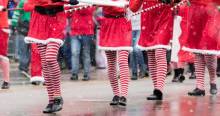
20,15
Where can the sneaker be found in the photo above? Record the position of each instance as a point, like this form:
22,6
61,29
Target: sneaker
85,78
25,74
74,77
58,104
197,92
157,95
5,85
213,89
122,101
115,100
134,76
48,108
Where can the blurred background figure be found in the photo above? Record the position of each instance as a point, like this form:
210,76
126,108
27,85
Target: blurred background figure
82,33
136,56
28,54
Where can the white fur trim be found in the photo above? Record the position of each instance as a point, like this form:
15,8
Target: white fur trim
1,7
37,78
6,31
4,58
34,40
115,48
200,51
154,47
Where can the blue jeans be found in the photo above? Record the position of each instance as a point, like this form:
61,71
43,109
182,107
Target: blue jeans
24,53
136,56
79,43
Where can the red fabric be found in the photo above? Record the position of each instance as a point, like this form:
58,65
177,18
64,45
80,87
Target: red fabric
4,15
115,32
202,34
82,22
36,69
3,43
201,1
43,27
156,26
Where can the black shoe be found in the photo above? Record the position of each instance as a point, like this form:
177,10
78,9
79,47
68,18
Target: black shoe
181,78
213,89
122,101
85,78
36,83
197,92
58,104
115,100
192,76
134,76
218,73
74,77
175,79
5,85
48,109
157,95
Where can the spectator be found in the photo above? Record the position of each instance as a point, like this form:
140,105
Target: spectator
82,27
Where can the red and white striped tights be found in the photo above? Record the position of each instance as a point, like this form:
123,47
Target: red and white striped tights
200,62
123,69
51,69
157,64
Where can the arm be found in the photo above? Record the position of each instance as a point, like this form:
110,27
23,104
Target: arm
135,5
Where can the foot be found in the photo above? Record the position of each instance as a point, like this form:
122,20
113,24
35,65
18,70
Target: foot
36,83
115,100
25,74
48,109
85,78
122,101
192,76
181,78
134,76
218,73
142,75
74,77
213,89
197,92
157,95
58,104
5,85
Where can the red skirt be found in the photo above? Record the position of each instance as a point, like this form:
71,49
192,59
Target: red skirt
115,34
156,27
3,43
44,28
204,29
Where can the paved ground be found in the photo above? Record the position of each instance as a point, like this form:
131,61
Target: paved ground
92,98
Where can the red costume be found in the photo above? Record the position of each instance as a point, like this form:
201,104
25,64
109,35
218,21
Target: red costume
115,31
45,28
156,25
202,37
82,20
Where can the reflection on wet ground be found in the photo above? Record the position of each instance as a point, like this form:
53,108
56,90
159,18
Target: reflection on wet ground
92,99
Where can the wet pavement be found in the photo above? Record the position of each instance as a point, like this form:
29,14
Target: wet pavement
92,98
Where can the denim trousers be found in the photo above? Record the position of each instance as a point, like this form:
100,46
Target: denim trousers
136,56
80,45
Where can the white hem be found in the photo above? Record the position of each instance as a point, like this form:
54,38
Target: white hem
34,40
115,48
200,51
154,47
37,78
